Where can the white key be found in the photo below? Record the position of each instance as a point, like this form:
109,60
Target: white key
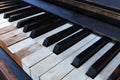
64,67
1,15
5,24
107,71
3,20
20,45
33,58
41,38
84,68
42,67
7,29
75,74
10,34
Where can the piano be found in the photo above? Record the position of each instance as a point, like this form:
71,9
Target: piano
62,39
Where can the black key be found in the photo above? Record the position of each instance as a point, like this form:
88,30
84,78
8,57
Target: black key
8,14
60,35
32,19
100,64
43,21
65,44
10,4
6,2
89,52
10,8
45,28
23,15
116,74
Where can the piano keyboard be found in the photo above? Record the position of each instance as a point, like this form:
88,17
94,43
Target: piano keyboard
48,47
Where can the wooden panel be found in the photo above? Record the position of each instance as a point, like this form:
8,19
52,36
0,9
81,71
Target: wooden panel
6,71
15,68
10,54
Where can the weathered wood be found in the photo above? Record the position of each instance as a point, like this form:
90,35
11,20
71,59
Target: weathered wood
4,47
15,68
95,9
4,68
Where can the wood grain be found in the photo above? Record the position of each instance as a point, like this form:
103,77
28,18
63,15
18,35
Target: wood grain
6,71
95,9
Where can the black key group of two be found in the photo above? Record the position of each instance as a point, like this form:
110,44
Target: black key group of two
101,63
